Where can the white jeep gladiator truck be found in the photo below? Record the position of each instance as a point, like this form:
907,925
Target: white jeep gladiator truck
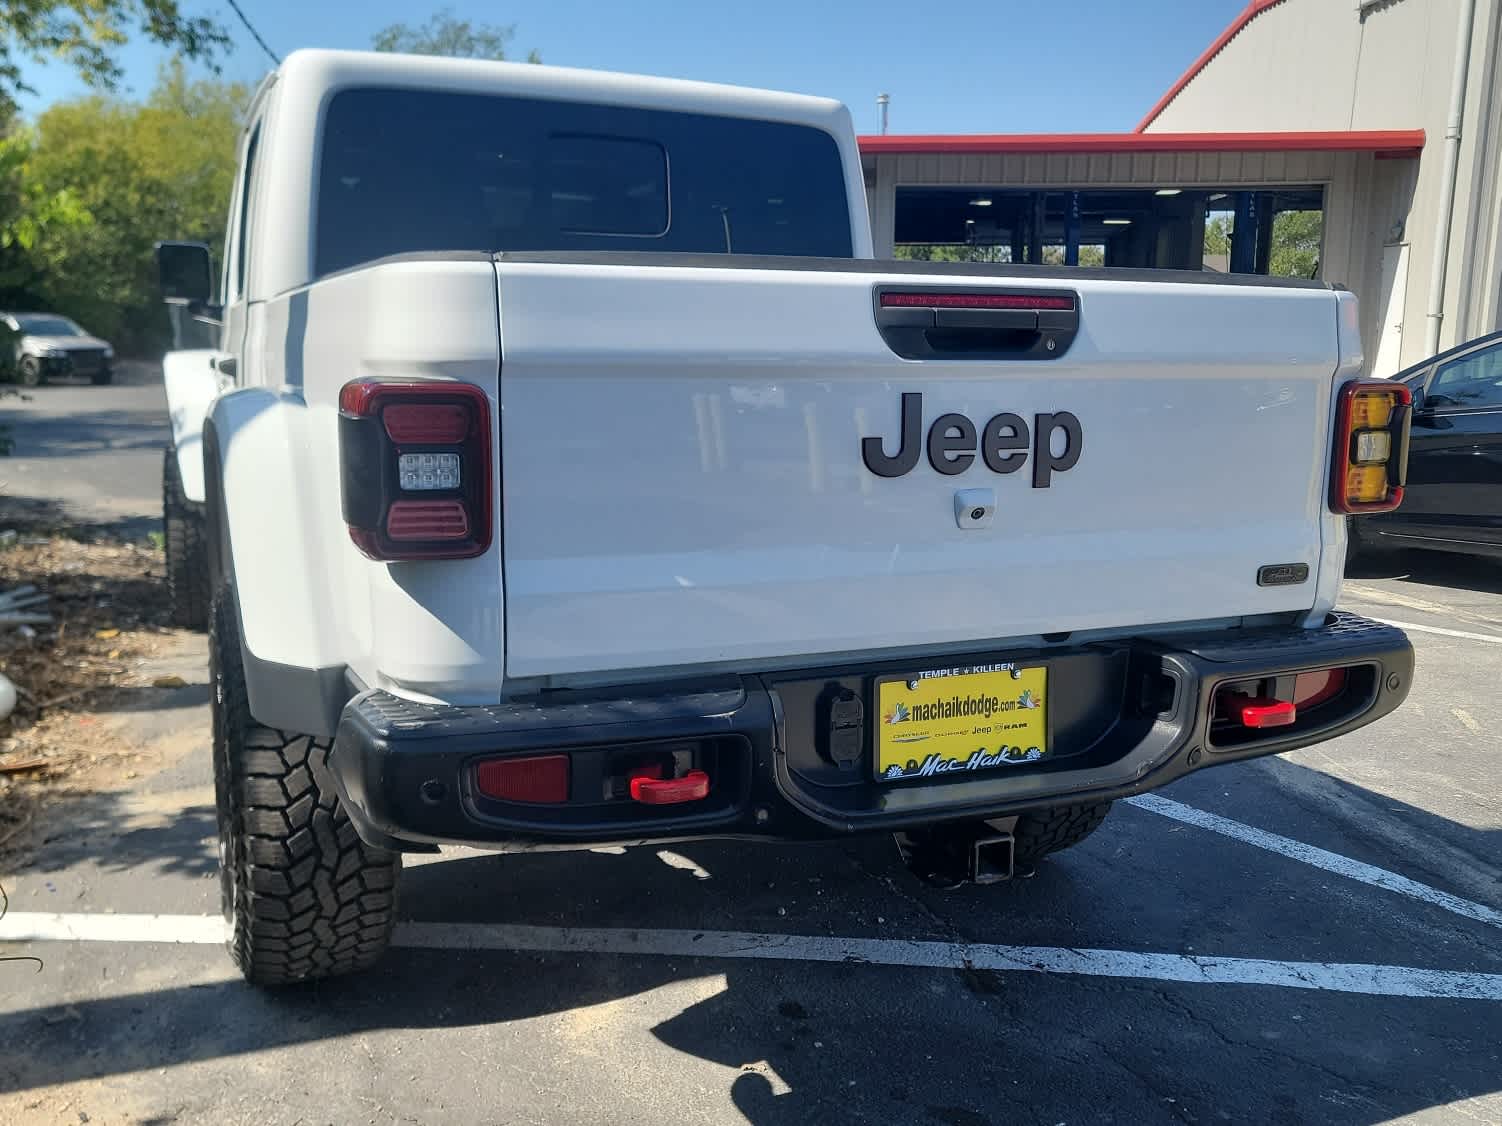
567,472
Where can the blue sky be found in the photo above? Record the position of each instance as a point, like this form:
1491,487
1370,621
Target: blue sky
987,66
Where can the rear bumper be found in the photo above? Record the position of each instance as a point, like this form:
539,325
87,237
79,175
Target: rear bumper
1139,716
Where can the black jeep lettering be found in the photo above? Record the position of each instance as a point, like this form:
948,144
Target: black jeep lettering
951,444
1045,461
907,447
1005,443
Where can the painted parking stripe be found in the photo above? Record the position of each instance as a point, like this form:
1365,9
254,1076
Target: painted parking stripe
1317,857
1495,639
1338,977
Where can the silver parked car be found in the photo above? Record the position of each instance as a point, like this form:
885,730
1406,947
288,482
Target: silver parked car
46,344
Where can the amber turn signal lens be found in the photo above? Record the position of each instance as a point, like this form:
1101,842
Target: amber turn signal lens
1372,410
1366,484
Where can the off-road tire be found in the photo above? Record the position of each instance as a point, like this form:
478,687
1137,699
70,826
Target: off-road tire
186,549
303,896
29,371
1050,830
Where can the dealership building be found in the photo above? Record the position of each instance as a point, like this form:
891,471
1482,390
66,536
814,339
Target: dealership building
1379,122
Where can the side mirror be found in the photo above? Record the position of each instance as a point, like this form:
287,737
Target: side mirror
184,273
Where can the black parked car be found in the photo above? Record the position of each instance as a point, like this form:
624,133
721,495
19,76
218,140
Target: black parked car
1454,497
46,344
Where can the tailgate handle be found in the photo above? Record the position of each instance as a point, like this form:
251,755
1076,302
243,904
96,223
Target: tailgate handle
950,323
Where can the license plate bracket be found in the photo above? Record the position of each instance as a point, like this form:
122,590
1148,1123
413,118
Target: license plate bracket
948,723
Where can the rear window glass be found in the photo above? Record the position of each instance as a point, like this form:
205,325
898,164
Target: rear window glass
410,170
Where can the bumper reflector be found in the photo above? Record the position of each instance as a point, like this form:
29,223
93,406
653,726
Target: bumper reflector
539,778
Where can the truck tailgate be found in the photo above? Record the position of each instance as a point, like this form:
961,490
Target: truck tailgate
683,480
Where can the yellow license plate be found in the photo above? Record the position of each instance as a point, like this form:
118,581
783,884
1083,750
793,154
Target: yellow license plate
950,722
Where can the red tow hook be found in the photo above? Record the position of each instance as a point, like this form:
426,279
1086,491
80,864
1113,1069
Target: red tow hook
1259,711
649,789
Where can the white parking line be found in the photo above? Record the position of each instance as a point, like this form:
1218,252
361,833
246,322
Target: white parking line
1338,977
1317,857
1495,639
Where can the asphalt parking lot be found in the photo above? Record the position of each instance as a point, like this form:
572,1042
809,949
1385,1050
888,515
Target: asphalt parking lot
1308,938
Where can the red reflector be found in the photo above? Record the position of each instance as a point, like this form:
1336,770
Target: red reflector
1258,711
427,424
1313,688
543,778
693,786
976,301
427,520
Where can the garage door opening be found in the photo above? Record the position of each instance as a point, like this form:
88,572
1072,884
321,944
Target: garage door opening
1274,231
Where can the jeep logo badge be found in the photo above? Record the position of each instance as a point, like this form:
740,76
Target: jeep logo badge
1004,444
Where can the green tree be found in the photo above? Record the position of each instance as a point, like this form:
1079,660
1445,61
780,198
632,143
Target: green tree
1296,240
1295,247
139,172
87,34
1218,235
446,34
32,217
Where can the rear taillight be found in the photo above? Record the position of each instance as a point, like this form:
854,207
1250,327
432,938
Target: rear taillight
1371,447
416,464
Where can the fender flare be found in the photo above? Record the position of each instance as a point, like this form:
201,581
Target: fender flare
192,383
264,548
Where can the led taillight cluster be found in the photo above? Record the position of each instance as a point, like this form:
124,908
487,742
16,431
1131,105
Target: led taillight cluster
415,463
1372,420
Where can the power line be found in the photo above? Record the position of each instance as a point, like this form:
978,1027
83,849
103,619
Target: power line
256,35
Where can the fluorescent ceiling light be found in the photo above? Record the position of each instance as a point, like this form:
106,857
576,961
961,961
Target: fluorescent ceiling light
1117,222
980,203
1168,191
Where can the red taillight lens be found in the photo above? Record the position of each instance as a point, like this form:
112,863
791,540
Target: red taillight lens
1372,420
416,465
1311,689
540,778
409,520
427,424
976,301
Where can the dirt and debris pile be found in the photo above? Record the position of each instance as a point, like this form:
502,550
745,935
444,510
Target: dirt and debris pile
104,616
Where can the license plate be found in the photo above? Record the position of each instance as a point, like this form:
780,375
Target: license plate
948,722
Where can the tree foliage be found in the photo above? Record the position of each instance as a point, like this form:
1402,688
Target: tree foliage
86,34
84,197
446,34
1296,241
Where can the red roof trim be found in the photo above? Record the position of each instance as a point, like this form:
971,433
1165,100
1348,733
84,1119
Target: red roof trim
1390,142
1253,9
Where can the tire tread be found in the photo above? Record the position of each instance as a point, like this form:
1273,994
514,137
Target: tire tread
305,897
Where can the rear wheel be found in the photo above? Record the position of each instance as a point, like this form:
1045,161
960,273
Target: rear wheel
1052,830
304,897
30,371
186,550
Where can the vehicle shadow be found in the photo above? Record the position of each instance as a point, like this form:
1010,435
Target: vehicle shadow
41,516
1431,568
83,433
836,1042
